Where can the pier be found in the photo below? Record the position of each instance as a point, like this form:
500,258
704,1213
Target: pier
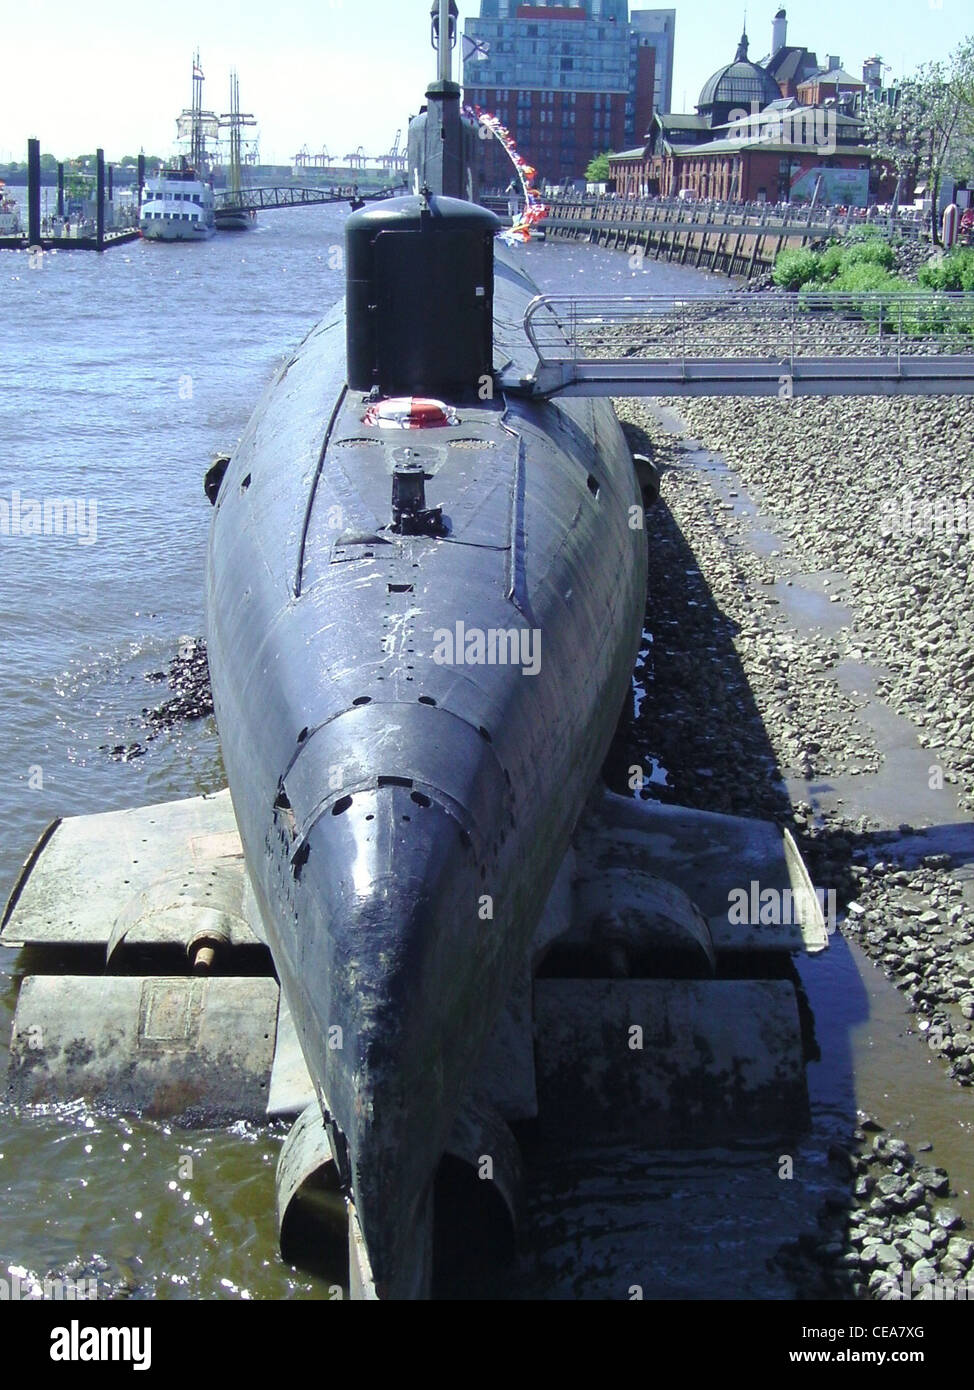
97,233
740,239
59,232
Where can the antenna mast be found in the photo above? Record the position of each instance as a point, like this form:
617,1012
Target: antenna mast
445,25
436,136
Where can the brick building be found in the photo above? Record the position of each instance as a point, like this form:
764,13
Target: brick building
750,141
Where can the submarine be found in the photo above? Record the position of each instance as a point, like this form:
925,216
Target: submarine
416,920
425,603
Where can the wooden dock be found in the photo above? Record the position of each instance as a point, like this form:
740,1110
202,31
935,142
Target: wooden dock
71,243
91,234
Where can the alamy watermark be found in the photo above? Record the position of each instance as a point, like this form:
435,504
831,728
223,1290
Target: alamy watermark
909,515
936,1289
814,127
49,516
473,646
77,1343
22,1287
755,906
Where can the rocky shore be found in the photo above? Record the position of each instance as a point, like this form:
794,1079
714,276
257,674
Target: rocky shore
894,1237
188,678
744,704
880,491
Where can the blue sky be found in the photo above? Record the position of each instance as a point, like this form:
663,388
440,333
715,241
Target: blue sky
340,73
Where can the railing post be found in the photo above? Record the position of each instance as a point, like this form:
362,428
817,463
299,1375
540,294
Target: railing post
899,342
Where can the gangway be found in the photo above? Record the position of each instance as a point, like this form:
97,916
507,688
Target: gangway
741,344
262,199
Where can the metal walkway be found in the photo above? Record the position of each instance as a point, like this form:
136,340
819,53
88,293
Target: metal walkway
741,344
262,199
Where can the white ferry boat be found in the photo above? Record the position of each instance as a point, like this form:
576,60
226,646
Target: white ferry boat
178,206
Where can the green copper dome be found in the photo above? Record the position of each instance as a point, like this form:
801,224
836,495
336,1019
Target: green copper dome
739,84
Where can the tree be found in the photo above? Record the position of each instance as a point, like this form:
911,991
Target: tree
598,170
929,125
962,83
962,78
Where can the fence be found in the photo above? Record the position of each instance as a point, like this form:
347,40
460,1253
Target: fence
730,238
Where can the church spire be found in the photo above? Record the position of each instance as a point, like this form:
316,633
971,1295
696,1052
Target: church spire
743,45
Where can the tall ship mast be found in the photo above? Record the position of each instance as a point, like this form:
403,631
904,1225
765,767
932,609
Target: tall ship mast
234,217
179,203
197,127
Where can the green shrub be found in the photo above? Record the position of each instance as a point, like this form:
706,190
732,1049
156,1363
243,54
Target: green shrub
835,260
870,253
830,262
931,315
795,268
866,277
954,272
932,276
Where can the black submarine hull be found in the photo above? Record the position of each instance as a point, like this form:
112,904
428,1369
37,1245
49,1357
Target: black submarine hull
411,724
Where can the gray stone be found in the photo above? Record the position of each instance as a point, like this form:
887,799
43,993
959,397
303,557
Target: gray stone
935,1180
917,1245
959,1250
949,1218
887,1256
923,1272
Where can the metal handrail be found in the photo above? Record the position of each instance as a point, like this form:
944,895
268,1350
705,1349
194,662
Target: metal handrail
570,329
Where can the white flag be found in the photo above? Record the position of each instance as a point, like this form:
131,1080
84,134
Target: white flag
475,48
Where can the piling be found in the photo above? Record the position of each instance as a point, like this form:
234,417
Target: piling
33,193
111,183
100,237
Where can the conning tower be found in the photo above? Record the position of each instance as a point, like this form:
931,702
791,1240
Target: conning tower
420,269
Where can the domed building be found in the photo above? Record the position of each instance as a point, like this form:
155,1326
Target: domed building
751,140
739,88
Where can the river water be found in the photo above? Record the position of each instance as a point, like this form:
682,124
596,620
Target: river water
120,377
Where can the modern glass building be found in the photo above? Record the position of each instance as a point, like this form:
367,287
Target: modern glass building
569,79
657,27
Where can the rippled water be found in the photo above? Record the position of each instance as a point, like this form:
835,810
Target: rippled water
121,376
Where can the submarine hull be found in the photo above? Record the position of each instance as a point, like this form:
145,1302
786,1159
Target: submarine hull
411,725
